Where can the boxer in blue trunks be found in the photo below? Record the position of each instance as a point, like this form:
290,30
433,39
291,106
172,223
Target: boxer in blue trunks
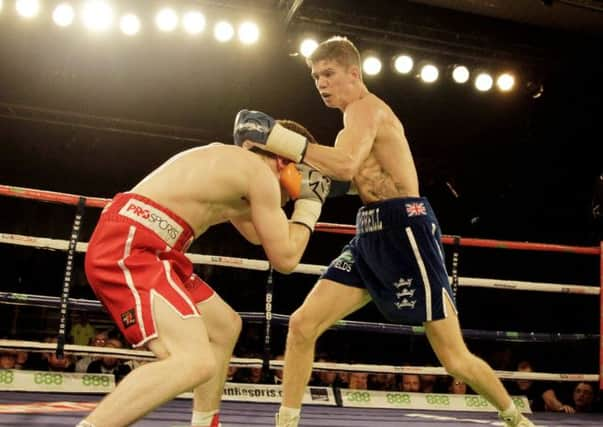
396,257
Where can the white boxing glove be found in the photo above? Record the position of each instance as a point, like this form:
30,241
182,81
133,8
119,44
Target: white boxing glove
315,188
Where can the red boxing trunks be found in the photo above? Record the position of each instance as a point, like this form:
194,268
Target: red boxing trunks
136,254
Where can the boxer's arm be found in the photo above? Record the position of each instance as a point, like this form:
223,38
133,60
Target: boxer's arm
352,146
245,226
283,242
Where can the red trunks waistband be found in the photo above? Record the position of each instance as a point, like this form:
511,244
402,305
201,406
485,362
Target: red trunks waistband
168,226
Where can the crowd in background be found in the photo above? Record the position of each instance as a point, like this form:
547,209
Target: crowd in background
567,397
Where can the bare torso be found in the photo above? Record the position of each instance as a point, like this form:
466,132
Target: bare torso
201,186
389,170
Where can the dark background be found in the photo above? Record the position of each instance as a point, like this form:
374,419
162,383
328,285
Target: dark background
92,114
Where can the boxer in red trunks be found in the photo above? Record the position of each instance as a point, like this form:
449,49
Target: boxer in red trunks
136,265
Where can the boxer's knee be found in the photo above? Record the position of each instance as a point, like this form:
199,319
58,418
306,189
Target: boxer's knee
197,369
459,364
303,328
224,329
192,363
233,330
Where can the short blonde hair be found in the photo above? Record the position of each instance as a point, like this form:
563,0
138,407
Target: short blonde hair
336,48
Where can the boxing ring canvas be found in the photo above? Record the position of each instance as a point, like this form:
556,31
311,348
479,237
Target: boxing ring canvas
35,409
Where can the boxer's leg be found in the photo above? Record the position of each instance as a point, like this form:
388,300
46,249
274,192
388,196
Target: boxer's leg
447,342
327,303
185,360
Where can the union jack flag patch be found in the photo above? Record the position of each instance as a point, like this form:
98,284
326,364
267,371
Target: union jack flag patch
415,209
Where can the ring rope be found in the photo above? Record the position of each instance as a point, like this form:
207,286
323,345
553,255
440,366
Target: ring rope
351,325
34,346
72,199
343,229
254,264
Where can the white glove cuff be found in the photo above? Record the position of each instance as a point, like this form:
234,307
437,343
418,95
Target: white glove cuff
306,212
286,143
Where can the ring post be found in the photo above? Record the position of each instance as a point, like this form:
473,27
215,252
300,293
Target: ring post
67,279
456,247
267,324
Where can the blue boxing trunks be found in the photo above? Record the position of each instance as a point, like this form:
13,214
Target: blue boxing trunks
397,255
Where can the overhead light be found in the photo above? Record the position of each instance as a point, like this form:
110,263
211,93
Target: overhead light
307,47
97,16
429,73
63,15
129,24
483,82
371,65
460,74
403,64
223,31
193,22
505,82
28,8
166,20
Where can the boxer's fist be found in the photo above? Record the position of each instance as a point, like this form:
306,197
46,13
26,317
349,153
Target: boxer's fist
314,190
252,125
314,185
269,135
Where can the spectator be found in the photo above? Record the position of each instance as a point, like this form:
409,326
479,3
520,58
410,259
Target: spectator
134,363
386,381
21,360
82,331
56,364
254,375
248,375
583,397
231,373
343,379
8,359
358,380
457,386
325,378
410,383
428,383
109,364
98,340
540,394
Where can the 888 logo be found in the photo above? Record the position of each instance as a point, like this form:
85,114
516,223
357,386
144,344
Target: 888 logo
518,401
96,381
437,399
398,398
476,402
6,376
358,396
48,378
